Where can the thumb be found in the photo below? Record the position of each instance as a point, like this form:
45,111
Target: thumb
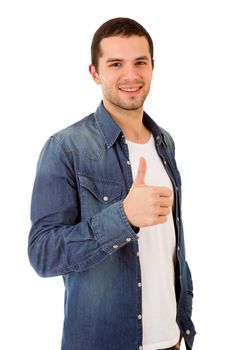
140,177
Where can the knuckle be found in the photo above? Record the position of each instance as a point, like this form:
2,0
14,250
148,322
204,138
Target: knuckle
154,191
150,221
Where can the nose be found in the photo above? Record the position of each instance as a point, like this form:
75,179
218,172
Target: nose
130,72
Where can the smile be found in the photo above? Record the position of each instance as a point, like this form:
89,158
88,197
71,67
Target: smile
130,89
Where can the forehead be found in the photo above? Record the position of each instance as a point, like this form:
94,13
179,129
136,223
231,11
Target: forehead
121,46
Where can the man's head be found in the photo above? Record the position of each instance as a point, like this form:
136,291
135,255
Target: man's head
122,64
119,26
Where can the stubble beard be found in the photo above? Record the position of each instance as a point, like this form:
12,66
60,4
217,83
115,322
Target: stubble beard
132,105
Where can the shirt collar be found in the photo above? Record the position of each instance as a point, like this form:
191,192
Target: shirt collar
107,126
111,131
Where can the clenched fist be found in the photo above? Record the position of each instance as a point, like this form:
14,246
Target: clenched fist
146,205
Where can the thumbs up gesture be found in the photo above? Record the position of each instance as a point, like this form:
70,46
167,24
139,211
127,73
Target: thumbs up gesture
146,205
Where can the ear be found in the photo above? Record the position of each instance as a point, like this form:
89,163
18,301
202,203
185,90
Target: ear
94,74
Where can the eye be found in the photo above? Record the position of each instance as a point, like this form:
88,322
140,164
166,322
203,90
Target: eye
141,63
115,64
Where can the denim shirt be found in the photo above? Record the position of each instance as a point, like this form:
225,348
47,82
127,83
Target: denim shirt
80,231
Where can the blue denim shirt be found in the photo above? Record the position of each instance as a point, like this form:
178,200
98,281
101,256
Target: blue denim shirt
80,231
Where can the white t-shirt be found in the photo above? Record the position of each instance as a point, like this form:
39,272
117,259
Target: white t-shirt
157,256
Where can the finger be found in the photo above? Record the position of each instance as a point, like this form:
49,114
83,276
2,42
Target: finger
140,177
162,211
160,220
165,201
163,191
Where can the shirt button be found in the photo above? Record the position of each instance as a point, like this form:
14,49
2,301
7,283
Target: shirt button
137,253
115,246
178,248
140,317
164,162
177,188
128,162
140,348
157,137
178,219
188,332
139,284
105,198
128,239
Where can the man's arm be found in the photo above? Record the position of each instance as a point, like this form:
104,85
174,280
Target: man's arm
59,242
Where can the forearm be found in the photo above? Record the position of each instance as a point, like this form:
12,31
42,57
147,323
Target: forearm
59,249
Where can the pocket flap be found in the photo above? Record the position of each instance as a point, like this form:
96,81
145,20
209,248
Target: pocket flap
104,190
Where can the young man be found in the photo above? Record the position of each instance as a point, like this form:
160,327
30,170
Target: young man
106,211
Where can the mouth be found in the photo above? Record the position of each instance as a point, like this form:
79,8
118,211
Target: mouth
130,90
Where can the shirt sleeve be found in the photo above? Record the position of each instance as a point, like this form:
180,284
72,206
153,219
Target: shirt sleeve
59,241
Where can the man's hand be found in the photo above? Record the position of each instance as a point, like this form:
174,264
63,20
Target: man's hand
146,205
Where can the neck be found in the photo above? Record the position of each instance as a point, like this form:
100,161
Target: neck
130,122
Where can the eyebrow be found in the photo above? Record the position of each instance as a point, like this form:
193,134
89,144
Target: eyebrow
110,60
145,58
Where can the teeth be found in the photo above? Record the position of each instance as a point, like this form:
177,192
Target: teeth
130,89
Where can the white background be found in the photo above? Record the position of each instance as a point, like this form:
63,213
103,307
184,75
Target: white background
45,86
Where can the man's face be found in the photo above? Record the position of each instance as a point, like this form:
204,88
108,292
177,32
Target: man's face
124,72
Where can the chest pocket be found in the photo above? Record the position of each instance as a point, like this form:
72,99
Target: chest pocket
95,195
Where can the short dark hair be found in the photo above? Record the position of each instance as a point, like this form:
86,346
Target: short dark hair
119,26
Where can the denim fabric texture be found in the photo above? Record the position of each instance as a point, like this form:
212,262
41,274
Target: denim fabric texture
80,231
